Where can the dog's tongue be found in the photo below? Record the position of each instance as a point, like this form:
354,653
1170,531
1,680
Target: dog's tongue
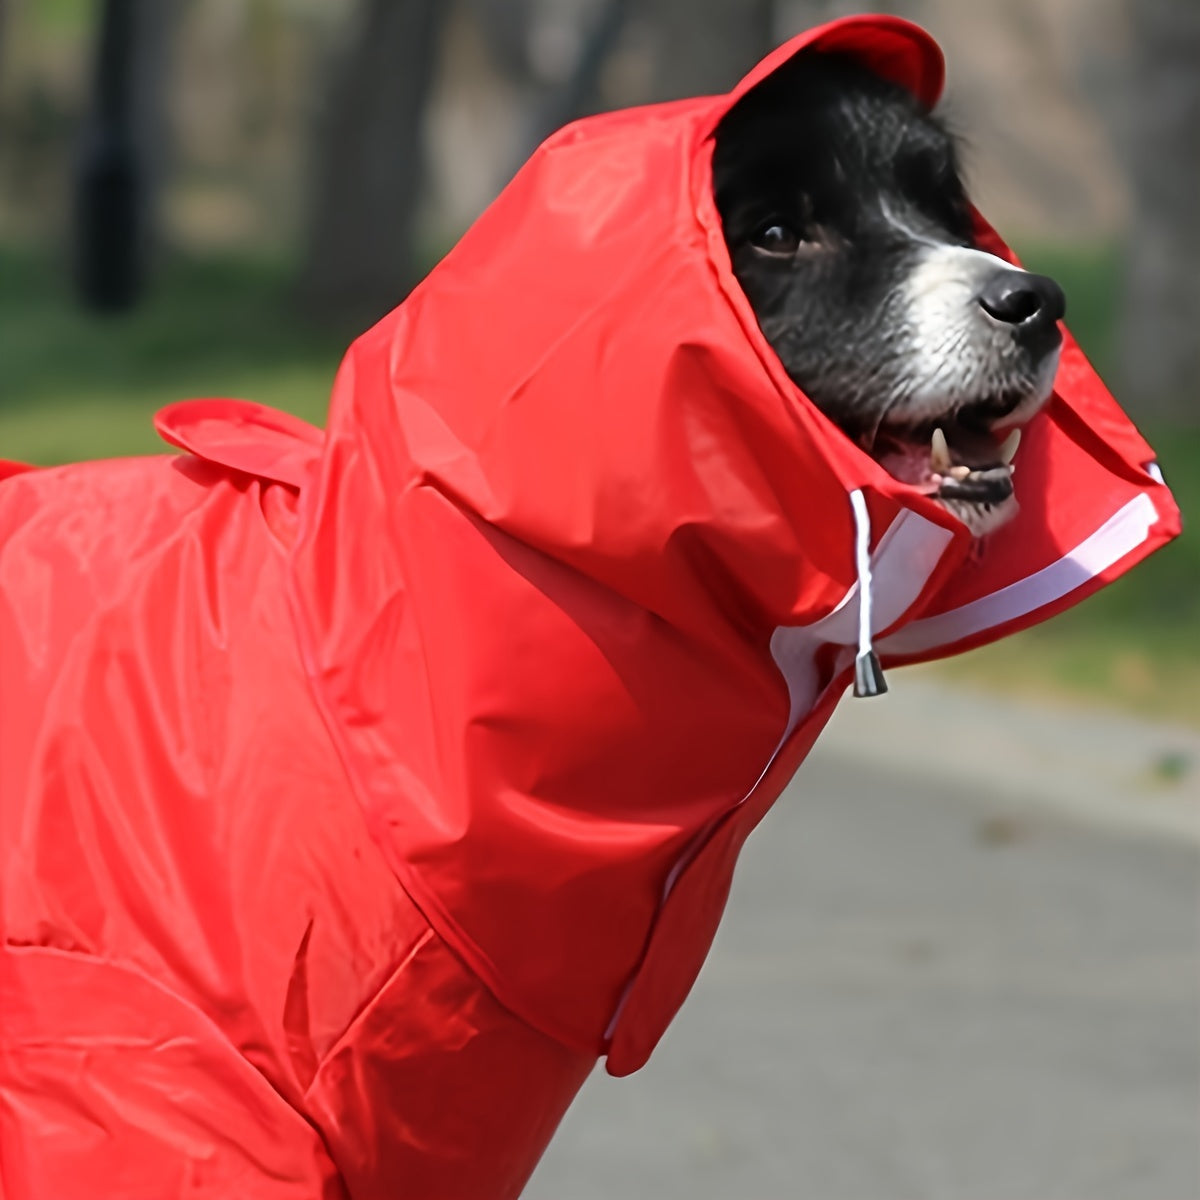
908,462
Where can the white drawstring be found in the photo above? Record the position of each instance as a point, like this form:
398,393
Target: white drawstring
868,674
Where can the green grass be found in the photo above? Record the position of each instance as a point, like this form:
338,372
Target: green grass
65,16
75,386
1091,279
78,386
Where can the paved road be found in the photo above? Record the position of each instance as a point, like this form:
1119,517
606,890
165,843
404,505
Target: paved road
925,990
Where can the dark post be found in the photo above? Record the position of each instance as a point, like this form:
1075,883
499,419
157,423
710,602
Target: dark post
359,258
110,188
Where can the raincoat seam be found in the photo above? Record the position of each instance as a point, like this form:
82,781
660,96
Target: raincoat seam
456,939
429,934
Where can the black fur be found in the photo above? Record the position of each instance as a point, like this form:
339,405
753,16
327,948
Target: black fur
831,184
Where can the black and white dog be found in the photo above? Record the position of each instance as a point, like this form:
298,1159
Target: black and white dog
849,230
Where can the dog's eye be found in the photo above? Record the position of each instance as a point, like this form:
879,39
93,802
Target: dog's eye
777,238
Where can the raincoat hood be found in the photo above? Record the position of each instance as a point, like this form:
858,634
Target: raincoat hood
581,559
487,683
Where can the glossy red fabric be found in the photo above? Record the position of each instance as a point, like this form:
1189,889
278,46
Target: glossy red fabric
358,790
212,984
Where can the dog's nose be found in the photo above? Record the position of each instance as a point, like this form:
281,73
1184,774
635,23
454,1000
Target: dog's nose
1032,304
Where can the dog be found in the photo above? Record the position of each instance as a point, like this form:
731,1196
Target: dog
361,787
849,229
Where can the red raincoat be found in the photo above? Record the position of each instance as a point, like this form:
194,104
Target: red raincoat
358,790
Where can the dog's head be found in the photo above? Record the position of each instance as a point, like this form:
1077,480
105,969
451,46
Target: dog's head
850,232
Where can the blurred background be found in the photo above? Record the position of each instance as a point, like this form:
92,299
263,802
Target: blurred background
213,196
964,964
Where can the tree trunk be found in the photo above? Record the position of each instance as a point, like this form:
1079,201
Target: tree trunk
359,258
576,95
120,159
706,46
1160,333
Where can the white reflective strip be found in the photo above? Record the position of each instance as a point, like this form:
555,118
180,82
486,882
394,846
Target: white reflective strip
862,560
1124,531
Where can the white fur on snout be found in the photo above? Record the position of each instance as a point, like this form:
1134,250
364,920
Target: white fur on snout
1039,393
958,352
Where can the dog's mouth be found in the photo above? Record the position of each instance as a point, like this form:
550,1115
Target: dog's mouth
951,460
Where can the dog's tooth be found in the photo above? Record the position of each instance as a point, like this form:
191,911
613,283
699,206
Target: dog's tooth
939,452
1008,449
959,472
